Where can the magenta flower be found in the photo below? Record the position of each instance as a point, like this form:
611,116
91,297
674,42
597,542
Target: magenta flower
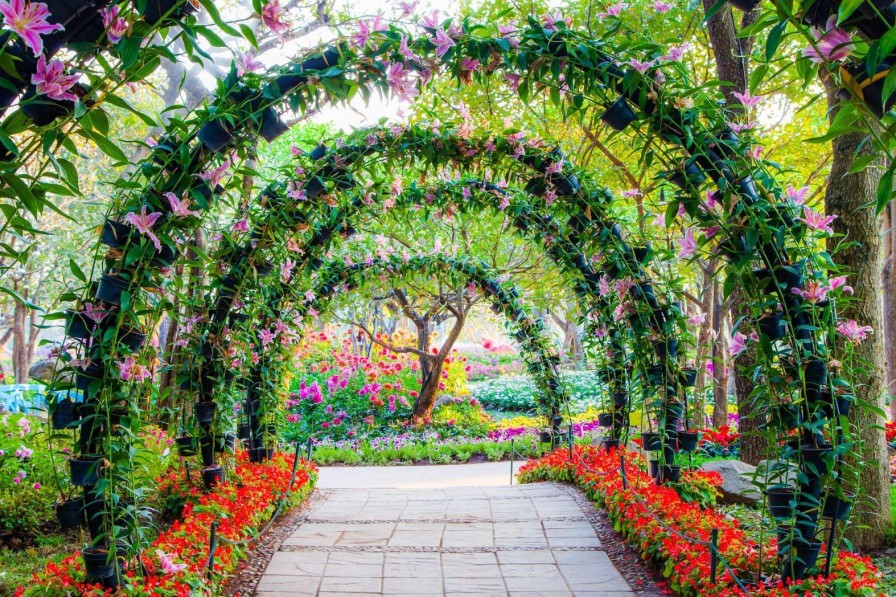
215,176
274,17
168,565
241,226
144,222
854,332
115,25
97,315
443,42
468,65
29,21
407,9
674,53
832,44
738,344
180,207
814,292
130,370
747,100
739,127
687,245
266,336
286,270
49,80
840,282
552,21
697,319
405,51
554,168
246,63
661,7
816,221
798,196
641,67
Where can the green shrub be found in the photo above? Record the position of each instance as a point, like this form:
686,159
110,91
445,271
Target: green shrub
519,394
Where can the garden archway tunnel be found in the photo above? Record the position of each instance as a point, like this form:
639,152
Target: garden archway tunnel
744,194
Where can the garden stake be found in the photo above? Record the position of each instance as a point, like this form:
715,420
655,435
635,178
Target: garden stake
570,441
830,550
309,450
212,545
714,555
622,469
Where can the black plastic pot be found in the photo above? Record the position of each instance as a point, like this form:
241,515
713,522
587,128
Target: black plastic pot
260,454
243,431
132,338
688,440
620,399
619,115
667,349
785,416
800,556
772,326
186,446
98,563
116,234
816,375
544,437
215,136
819,12
85,377
837,407
815,458
651,441
870,88
42,110
790,276
84,471
110,288
170,10
95,514
655,374
674,411
78,325
747,190
836,507
271,127
207,450
225,443
165,256
65,414
204,412
287,82
605,419
609,443
668,474
70,513
212,476
687,378
781,502
689,175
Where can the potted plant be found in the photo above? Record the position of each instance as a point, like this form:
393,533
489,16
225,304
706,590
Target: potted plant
605,419
688,440
836,506
287,82
771,324
651,441
64,413
781,502
85,470
619,115
186,445
98,562
212,476
204,412
687,377
110,288
70,513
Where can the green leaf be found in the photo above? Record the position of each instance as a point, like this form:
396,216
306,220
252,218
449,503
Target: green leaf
774,39
105,145
885,188
847,7
18,297
249,35
76,270
861,163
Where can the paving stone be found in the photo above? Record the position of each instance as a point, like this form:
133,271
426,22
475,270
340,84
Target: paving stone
540,556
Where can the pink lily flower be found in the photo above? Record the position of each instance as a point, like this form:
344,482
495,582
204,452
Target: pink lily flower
833,43
115,25
697,319
98,315
554,168
144,222
661,7
739,127
814,292
131,370
675,53
296,191
286,270
840,282
266,336
180,207
738,344
215,176
798,196
854,332
246,63
747,100
816,221
241,226
274,17
168,565
49,80
29,21
687,245
641,67
442,42
405,51
407,9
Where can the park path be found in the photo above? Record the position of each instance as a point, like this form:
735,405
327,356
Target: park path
440,530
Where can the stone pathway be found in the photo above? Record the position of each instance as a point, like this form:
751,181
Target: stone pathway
482,540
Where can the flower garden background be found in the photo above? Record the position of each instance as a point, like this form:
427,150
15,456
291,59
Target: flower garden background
646,246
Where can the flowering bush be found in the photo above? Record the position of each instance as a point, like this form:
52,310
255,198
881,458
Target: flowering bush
519,393
653,519
176,561
723,441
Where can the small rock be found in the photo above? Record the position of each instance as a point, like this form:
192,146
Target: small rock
737,481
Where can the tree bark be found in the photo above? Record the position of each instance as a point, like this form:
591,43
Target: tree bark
847,194
888,292
719,361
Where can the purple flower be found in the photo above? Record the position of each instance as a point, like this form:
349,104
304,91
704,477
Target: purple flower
49,80
115,25
442,42
144,222
832,44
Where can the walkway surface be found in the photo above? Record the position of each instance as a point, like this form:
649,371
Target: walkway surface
440,530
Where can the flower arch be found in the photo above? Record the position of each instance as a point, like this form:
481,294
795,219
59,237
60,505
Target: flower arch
767,237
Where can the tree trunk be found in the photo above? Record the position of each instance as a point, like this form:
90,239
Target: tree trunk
719,361
847,194
888,292
19,344
429,391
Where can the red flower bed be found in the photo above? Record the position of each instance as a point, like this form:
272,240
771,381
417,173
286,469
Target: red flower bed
241,506
723,436
634,512
891,431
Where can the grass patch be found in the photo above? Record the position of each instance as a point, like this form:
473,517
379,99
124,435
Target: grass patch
19,565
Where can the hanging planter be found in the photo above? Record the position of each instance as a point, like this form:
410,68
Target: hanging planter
772,326
836,507
116,234
260,454
656,373
605,419
668,474
65,414
78,325
619,115
212,476
243,431
70,513
816,376
110,289
610,443
131,338
164,257
687,377
84,470
688,440
271,127
785,416
98,563
667,349
800,556
84,378
869,88
289,81
225,443
207,450
818,13
744,5
816,458
835,407
620,400
215,136
169,10
781,502
689,176
544,436
186,446
42,110
204,412
651,441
